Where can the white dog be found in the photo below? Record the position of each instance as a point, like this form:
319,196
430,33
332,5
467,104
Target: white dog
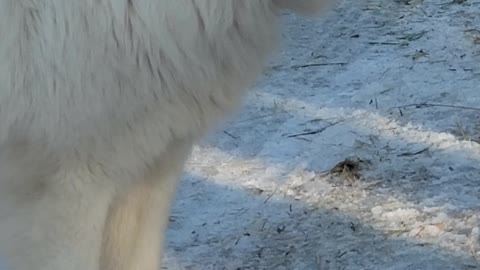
100,102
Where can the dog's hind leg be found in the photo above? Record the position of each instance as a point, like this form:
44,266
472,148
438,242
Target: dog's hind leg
137,220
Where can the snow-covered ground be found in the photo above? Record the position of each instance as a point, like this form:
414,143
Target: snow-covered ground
344,156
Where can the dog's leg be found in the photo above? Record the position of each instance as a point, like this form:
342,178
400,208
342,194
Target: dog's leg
51,215
137,220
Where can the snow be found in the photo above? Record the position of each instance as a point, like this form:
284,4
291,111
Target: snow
261,194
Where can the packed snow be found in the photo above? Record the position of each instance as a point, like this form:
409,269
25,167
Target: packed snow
358,149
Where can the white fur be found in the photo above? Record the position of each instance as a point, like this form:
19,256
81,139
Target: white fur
100,102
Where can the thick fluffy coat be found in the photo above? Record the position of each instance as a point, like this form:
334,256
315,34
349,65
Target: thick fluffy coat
100,102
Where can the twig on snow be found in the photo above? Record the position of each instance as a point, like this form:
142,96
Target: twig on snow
313,132
319,65
269,197
409,154
230,135
427,105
